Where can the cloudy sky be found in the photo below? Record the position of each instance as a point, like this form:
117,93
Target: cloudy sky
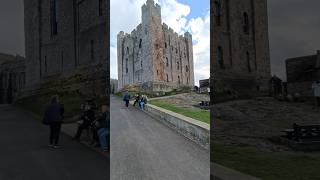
11,27
293,28
181,15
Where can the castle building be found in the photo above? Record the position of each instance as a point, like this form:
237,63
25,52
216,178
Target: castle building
302,72
12,77
153,56
240,57
67,45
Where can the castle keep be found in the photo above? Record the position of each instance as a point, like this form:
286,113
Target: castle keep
153,56
67,45
240,44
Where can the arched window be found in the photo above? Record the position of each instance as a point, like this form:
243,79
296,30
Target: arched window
245,23
167,62
167,78
187,68
220,57
178,65
140,43
127,50
248,62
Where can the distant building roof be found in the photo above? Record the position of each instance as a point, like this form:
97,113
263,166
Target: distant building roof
204,83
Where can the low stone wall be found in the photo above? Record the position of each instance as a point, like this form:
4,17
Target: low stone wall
194,130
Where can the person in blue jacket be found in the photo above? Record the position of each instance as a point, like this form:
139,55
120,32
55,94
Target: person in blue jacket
53,117
126,98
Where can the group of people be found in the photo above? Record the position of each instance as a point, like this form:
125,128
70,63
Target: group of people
98,124
140,100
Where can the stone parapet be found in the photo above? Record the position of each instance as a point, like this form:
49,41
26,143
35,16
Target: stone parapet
197,131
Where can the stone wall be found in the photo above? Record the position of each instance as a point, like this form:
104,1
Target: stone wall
153,52
12,78
302,72
240,44
196,131
79,46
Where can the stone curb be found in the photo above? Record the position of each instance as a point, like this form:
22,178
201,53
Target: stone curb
68,130
201,125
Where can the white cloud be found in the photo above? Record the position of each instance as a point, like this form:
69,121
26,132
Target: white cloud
199,27
126,18
174,14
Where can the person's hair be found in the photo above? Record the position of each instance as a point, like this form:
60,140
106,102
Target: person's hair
55,99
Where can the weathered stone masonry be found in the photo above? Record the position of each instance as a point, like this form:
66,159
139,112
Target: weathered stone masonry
12,77
153,56
302,72
67,44
240,44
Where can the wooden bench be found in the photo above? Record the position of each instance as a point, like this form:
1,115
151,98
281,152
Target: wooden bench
303,133
204,103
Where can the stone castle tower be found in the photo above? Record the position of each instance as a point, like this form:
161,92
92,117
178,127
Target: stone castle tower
153,56
240,44
67,45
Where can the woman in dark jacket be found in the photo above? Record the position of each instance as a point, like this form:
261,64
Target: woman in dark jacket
53,117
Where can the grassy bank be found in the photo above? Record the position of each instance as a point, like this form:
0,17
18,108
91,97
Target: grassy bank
268,165
221,96
201,115
71,100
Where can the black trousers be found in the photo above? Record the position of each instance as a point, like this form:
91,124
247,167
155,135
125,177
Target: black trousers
83,126
55,128
317,101
135,102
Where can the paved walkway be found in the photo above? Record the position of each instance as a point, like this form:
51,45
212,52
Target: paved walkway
144,148
24,154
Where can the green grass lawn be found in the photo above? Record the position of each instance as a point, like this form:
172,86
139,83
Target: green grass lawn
201,115
268,165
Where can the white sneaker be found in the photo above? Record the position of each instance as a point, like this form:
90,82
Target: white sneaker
56,146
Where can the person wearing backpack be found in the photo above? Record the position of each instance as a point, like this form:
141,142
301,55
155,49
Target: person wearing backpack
53,117
126,98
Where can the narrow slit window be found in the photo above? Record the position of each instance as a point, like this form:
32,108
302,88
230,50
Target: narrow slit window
220,57
140,43
245,23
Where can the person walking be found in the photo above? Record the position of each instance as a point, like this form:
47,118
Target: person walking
126,98
53,117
